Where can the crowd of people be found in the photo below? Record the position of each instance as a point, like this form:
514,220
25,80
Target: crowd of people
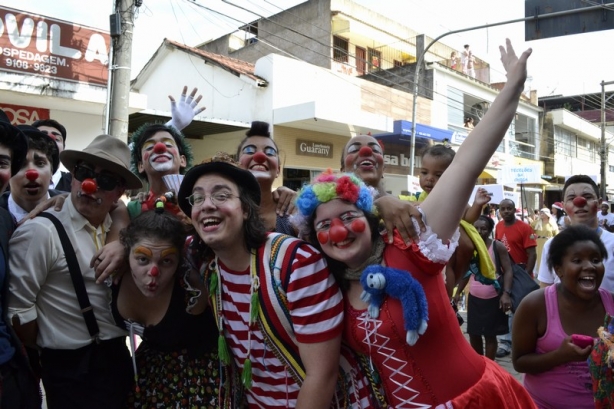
243,295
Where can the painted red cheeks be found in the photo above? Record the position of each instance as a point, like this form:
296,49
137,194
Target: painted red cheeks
579,201
338,232
259,157
365,151
89,186
159,148
31,175
358,226
323,237
154,272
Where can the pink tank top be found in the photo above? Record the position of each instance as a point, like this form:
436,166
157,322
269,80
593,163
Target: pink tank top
483,291
568,385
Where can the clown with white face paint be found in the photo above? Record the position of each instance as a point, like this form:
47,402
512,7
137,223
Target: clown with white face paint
161,300
259,154
158,151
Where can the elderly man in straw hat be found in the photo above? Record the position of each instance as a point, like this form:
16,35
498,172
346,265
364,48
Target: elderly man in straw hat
55,303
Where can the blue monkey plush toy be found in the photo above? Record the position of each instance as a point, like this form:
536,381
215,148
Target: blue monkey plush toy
379,281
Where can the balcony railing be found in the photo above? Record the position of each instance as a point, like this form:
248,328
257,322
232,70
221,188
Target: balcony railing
359,59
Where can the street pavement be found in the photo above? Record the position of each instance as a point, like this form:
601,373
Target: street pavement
506,362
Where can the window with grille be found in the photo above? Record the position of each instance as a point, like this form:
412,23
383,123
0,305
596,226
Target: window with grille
374,58
340,49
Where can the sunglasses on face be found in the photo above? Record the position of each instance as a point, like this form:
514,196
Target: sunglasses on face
104,181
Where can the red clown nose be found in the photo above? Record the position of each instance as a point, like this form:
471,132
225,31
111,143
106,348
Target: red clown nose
259,157
365,151
154,272
31,175
159,148
89,186
338,232
579,201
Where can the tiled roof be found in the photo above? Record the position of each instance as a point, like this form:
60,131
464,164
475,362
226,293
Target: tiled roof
230,64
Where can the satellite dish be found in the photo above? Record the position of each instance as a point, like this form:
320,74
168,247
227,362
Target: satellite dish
479,110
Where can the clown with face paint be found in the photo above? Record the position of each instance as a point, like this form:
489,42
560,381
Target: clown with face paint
162,301
30,186
157,151
440,369
581,203
259,154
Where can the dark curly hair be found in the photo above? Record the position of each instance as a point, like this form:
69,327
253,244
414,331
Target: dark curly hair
489,222
154,225
148,130
567,238
258,128
440,151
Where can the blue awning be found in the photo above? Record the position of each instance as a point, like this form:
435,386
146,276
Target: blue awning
402,133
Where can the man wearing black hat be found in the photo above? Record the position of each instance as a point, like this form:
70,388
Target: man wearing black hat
84,359
30,186
19,387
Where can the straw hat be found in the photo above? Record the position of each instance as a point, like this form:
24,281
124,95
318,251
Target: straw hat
107,152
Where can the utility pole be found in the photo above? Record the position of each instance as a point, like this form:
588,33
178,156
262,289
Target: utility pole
603,151
120,71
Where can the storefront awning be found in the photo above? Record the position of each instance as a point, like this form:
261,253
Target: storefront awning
488,174
401,133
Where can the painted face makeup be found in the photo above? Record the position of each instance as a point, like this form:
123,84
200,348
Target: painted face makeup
581,204
160,154
343,232
260,157
364,157
153,264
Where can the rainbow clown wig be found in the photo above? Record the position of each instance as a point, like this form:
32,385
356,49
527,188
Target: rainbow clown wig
326,187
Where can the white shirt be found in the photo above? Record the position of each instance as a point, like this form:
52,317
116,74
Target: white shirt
17,211
609,218
40,287
548,276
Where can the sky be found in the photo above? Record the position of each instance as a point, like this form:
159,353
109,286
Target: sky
569,65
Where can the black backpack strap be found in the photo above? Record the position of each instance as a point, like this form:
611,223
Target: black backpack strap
77,278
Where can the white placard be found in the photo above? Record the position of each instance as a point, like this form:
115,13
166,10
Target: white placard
513,196
495,191
520,174
413,184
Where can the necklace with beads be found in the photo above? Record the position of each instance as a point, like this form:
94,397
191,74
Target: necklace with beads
215,287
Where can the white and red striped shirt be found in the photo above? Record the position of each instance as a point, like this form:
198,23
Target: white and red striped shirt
315,305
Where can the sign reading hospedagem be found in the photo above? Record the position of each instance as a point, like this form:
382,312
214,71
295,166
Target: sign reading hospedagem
314,148
52,48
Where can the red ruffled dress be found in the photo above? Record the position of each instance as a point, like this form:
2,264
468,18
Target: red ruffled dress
441,370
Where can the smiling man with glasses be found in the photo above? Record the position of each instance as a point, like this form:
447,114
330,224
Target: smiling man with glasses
84,358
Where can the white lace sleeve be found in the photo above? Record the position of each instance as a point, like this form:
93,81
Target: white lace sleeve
431,245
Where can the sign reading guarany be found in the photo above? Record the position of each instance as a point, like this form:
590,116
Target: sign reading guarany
314,148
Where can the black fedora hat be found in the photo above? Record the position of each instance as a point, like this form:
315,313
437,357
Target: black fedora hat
15,140
223,165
